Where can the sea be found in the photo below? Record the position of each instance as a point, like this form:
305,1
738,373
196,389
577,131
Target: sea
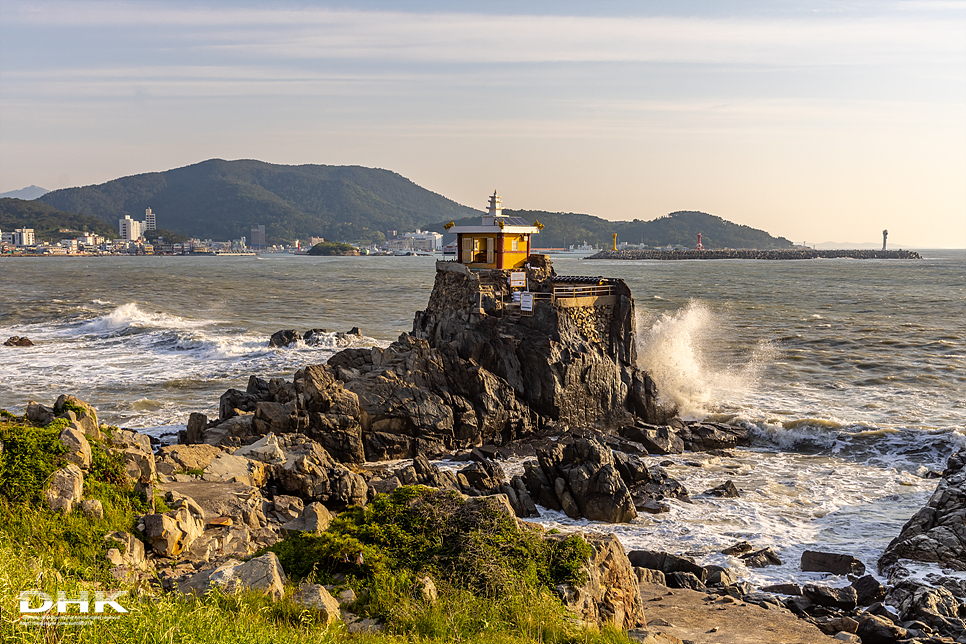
850,374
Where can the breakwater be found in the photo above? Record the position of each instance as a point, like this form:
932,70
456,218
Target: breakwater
785,253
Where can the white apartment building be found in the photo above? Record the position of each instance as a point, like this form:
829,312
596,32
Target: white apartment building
24,237
149,221
129,229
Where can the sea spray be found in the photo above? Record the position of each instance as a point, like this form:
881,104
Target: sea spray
691,358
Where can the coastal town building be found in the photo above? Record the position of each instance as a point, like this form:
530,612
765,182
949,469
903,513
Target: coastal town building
499,241
23,237
129,229
258,236
150,223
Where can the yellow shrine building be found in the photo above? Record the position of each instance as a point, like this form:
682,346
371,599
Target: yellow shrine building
498,242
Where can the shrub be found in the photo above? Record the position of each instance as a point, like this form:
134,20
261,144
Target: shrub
29,456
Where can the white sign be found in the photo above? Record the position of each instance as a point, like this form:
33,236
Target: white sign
518,280
526,301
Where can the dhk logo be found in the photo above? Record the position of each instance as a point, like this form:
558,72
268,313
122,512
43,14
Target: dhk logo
102,601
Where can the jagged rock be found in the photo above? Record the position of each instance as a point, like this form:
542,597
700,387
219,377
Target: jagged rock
704,437
315,337
65,489
836,564
878,630
92,508
309,472
230,431
761,558
844,598
783,589
422,472
265,449
666,563
937,532
648,576
611,594
18,341
333,413
726,490
76,405
868,590
936,607
172,533
586,482
648,484
195,430
317,598
287,507
136,452
484,477
185,458
382,446
242,503
740,548
284,338
37,413
124,549
685,580
315,518
262,574
78,449
655,439
227,468
519,497
718,576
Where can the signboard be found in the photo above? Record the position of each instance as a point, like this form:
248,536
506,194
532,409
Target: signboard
526,302
518,280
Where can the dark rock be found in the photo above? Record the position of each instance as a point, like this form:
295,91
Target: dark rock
484,477
798,605
936,607
585,482
315,337
666,563
284,338
726,490
937,533
844,598
422,472
868,590
651,506
685,580
354,331
878,630
655,439
761,558
382,446
309,472
648,484
740,548
783,589
197,424
18,341
234,401
813,561
718,576
703,437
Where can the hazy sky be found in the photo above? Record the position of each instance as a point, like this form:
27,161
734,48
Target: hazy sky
816,121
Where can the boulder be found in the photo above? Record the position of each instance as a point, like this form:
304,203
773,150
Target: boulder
583,479
685,580
315,518
263,574
195,430
310,473
78,449
937,532
655,439
230,432
265,450
868,590
84,412
228,468
18,341
842,598
240,502
185,458
317,598
761,558
235,402
284,338
37,413
704,437
873,629
666,563
726,490
384,446
936,607
124,549
287,508
483,477
173,532
65,489
92,509
648,484
422,472
813,561
611,595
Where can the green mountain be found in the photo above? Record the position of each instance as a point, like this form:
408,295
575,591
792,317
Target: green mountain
47,221
565,229
223,200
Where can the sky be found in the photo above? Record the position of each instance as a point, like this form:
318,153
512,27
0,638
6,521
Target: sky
815,121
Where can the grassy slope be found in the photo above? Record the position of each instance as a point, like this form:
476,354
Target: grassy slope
40,550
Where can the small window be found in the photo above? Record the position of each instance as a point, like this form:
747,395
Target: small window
515,244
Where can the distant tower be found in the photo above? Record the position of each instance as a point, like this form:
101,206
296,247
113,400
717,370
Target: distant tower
700,246
149,222
885,233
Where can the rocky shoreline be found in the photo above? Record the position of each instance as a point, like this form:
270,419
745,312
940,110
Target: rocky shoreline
475,384
775,254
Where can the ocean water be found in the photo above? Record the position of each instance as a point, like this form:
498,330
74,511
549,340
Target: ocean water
851,374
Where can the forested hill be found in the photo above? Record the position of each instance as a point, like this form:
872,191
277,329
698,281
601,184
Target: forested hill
47,221
565,229
225,199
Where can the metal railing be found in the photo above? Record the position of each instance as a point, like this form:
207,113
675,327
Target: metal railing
575,291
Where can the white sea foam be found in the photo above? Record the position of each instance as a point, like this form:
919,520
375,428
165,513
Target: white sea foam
682,351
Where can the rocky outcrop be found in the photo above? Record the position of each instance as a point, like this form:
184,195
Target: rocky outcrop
262,574
649,485
837,564
78,449
937,533
65,489
310,473
581,479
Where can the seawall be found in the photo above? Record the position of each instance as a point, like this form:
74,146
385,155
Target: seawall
755,254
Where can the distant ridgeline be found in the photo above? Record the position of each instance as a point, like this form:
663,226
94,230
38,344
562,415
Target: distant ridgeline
48,221
225,199
790,253
566,229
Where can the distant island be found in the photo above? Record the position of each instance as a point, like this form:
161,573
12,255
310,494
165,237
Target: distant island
333,248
